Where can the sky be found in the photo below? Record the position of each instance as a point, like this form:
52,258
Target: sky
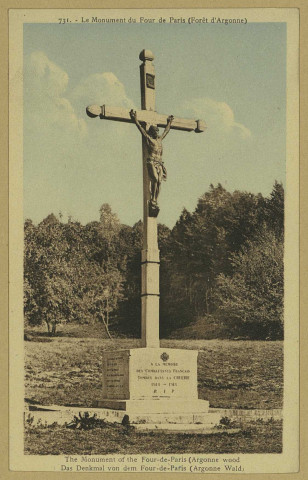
231,76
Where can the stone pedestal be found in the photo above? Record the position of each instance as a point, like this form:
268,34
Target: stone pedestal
154,386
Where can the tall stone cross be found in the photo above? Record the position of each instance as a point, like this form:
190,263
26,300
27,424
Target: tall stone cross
147,117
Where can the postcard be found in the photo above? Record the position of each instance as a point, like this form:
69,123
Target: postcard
154,232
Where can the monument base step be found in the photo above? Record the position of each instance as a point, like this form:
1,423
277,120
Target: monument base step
160,405
60,414
171,418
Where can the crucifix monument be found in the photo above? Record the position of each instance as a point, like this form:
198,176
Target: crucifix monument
148,121
151,384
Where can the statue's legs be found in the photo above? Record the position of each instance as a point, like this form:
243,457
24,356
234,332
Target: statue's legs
158,183
154,177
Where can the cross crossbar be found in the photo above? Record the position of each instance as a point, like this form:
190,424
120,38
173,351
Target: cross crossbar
145,116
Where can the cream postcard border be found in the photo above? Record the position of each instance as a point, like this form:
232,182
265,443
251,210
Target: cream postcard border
256,463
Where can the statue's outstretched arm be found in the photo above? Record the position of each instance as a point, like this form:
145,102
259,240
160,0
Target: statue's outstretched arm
167,129
133,116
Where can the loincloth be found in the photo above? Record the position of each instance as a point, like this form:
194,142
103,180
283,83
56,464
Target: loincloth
159,166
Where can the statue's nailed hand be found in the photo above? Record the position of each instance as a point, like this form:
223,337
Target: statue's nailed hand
133,115
170,118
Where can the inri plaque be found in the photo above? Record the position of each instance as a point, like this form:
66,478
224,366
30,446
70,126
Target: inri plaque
150,79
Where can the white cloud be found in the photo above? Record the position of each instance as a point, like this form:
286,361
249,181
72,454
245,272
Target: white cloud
101,88
56,111
45,104
219,116
67,155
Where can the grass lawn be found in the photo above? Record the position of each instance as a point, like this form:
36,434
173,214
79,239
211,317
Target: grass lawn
231,374
65,370
257,437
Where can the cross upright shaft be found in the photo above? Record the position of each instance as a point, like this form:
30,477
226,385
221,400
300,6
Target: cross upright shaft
150,253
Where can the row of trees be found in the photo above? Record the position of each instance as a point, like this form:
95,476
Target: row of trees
224,261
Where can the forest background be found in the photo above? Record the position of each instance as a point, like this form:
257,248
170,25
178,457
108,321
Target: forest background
221,272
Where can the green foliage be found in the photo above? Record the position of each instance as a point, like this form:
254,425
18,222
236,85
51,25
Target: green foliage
109,222
223,261
49,289
70,273
129,313
200,252
251,299
226,422
86,422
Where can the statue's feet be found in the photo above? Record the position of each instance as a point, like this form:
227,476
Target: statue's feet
153,208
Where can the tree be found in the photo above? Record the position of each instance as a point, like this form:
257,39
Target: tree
103,295
202,245
31,256
130,244
110,224
91,273
250,301
47,272
274,210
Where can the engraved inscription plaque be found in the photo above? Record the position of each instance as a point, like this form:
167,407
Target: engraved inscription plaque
163,380
116,375
150,79
157,373
150,374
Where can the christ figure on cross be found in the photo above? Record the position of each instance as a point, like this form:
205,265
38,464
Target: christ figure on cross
155,165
